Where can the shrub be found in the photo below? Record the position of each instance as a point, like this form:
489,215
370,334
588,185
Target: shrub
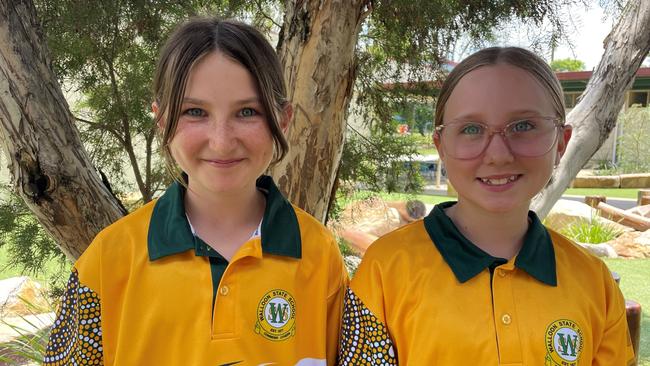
591,232
28,347
633,147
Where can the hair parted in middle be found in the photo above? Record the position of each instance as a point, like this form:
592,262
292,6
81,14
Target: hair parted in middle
514,56
195,39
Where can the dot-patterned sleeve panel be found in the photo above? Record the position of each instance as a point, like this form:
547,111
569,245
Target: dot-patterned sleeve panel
76,336
364,338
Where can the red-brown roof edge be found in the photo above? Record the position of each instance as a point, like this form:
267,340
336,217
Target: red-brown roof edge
585,75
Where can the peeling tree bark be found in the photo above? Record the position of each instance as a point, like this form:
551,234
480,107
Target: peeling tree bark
49,167
317,47
595,115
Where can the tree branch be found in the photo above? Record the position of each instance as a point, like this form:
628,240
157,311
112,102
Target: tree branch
264,15
594,117
101,126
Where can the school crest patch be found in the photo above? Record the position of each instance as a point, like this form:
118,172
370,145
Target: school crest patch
564,342
276,316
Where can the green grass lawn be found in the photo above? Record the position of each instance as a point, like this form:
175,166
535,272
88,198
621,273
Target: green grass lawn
344,201
634,284
607,192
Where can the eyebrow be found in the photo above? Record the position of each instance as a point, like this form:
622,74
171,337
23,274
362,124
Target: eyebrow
238,102
527,111
192,100
513,114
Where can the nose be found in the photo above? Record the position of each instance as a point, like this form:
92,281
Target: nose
497,151
221,134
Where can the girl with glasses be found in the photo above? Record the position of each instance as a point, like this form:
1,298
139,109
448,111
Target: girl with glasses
481,281
221,269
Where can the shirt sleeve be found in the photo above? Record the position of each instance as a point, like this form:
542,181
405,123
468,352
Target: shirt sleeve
334,312
365,337
339,280
615,346
76,336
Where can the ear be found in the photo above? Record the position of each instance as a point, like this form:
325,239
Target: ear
155,110
563,141
437,143
287,115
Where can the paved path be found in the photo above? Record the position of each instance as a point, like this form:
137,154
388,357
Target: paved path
622,203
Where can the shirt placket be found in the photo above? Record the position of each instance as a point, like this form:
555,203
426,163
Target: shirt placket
225,316
505,318
224,312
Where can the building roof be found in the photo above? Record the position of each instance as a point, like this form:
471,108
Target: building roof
586,75
576,81
572,81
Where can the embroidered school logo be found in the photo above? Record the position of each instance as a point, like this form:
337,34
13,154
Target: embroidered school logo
563,343
276,316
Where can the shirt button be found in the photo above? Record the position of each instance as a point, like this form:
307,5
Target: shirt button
506,319
501,273
224,290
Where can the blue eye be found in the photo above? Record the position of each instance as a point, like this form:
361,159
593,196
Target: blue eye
471,129
247,112
194,112
522,126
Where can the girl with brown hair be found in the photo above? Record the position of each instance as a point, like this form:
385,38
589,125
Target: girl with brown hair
221,269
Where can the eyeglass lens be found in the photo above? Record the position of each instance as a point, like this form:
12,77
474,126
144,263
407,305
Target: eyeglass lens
529,137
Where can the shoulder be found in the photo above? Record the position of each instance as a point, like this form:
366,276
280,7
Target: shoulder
122,236
115,248
312,230
318,242
134,223
320,250
409,242
567,252
576,264
393,265
400,254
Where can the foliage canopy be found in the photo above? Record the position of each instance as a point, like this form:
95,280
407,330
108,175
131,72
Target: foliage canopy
567,64
104,53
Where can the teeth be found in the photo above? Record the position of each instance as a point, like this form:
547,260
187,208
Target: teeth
498,182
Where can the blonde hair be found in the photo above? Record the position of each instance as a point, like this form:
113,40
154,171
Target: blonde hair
513,56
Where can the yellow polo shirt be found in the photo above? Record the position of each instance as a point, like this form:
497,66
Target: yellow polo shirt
148,292
425,295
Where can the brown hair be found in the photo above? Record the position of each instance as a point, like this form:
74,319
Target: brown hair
513,56
198,37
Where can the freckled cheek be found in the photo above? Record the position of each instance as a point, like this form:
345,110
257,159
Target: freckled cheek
182,150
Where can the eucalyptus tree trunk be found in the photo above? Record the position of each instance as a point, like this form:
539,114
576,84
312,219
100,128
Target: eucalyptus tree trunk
49,167
317,49
595,115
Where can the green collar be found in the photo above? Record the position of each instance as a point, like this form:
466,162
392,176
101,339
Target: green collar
170,233
466,260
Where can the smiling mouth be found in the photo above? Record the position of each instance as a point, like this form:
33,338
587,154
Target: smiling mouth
223,162
499,181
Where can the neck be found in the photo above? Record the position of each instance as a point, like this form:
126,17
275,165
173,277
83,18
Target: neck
499,234
225,221
213,207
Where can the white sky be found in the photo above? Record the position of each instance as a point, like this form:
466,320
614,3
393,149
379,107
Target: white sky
585,27
587,33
